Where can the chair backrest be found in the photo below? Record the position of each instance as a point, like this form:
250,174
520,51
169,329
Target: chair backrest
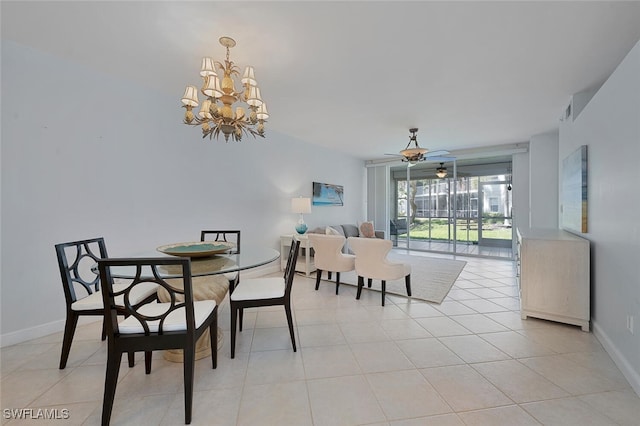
234,237
327,249
153,318
371,255
75,260
290,270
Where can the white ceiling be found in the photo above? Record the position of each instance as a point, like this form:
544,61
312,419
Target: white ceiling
355,76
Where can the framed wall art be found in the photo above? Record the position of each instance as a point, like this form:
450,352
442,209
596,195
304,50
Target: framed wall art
574,191
326,194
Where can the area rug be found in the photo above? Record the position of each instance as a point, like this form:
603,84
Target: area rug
431,278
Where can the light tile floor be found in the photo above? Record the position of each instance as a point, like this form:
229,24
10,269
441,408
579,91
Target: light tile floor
469,361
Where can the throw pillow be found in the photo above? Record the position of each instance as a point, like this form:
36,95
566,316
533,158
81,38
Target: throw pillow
366,230
331,231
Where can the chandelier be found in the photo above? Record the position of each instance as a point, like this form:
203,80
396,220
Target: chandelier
441,171
415,154
216,113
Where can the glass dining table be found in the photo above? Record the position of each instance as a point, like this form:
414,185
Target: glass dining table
223,263
208,282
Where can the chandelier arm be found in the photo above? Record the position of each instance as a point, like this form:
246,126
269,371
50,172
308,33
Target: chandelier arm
253,132
215,128
249,131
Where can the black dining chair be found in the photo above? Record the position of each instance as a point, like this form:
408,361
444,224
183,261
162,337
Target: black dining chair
82,287
176,324
232,237
265,291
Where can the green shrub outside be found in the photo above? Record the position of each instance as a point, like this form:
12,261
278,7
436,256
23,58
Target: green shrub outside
440,230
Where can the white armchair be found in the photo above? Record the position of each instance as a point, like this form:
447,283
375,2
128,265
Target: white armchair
372,263
329,257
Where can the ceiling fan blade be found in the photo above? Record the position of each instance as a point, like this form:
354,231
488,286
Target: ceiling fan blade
438,153
441,159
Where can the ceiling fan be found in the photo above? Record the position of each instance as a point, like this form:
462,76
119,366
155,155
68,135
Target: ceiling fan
415,154
441,171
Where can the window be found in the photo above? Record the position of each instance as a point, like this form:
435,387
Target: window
494,204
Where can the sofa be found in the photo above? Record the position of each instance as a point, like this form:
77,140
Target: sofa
348,230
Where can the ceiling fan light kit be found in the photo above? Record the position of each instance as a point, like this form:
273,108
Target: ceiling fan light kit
415,154
216,113
441,171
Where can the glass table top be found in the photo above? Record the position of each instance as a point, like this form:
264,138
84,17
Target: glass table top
249,257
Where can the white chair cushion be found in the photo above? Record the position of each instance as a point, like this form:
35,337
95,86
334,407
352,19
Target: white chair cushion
231,276
94,300
259,288
175,321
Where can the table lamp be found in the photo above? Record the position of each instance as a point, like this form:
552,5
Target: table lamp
301,205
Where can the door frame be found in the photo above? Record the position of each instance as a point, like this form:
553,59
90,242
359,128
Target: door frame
491,242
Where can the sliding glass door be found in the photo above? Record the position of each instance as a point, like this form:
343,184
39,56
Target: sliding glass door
495,226
450,214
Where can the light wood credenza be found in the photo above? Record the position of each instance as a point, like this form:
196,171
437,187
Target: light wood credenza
553,271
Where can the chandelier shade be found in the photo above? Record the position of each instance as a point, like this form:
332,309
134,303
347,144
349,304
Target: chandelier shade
190,96
415,154
208,67
218,112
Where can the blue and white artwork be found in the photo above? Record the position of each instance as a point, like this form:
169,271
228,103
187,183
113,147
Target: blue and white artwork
325,194
574,191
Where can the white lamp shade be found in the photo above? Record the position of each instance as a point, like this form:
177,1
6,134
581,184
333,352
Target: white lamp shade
255,98
212,87
249,76
204,109
263,114
301,205
208,67
190,96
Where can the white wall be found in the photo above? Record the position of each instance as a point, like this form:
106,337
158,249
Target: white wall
86,155
610,127
543,180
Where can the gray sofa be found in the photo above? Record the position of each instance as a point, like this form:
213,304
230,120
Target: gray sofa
348,230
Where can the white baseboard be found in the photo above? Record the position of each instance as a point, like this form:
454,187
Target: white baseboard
42,330
38,331
632,376
31,333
